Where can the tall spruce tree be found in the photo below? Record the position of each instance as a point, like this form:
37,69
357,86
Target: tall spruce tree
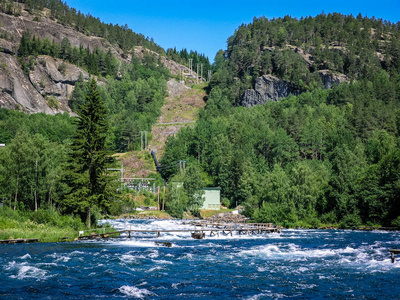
89,159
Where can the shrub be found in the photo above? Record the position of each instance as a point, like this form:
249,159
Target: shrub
226,202
62,68
53,102
350,221
396,222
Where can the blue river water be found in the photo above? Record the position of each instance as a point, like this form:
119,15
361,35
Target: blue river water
295,264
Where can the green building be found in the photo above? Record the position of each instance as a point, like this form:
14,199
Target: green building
212,198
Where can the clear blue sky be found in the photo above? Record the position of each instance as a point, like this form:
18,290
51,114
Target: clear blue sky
206,25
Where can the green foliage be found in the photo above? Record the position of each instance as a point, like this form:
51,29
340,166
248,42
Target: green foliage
320,156
350,221
396,222
53,102
133,101
297,49
226,202
46,224
62,68
31,170
95,62
176,199
58,128
88,160
183,57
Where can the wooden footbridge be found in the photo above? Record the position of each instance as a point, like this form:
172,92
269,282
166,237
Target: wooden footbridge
199,230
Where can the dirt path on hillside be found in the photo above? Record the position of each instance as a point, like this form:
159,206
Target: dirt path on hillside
181,109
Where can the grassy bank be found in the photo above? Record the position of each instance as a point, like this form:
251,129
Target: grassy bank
47,225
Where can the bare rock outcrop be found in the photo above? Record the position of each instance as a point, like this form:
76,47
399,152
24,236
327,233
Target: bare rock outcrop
47,89
48,28
50,82
54,77
14,83
271,88
331,79
267,88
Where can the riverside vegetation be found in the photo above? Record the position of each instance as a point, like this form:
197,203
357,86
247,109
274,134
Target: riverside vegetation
324,156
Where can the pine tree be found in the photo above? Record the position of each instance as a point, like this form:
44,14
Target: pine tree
89,159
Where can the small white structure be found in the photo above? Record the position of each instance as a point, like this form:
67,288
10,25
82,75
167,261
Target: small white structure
212,198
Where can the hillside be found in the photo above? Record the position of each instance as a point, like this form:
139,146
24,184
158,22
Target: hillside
328,150
270,59
181,109
38,83
47,55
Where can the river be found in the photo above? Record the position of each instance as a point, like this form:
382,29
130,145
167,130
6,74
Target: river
295,264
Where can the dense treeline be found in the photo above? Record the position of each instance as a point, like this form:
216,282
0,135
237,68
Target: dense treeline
56,129
31,162
183,57
122,36
133,100
95,62
328,156
325,155
70,172
296,49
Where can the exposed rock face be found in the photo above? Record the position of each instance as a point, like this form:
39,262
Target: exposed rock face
49,81
31,94
17,91
271,88
46,89
267,88
47,28
331,79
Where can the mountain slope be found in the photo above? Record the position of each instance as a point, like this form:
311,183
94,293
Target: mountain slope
303,54
39,84
324,154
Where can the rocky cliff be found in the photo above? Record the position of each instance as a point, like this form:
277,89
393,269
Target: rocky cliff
271,88
267,88
46,88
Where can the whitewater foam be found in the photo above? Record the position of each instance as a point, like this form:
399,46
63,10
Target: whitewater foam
135,292
26,256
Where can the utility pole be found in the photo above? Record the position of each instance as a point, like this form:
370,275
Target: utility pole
163,200
158,200
143,145
190,65
197,74
182,165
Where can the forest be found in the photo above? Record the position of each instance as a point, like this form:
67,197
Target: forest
324,156
296,49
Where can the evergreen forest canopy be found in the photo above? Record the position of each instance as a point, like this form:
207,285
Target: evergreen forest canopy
329,156
295,50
